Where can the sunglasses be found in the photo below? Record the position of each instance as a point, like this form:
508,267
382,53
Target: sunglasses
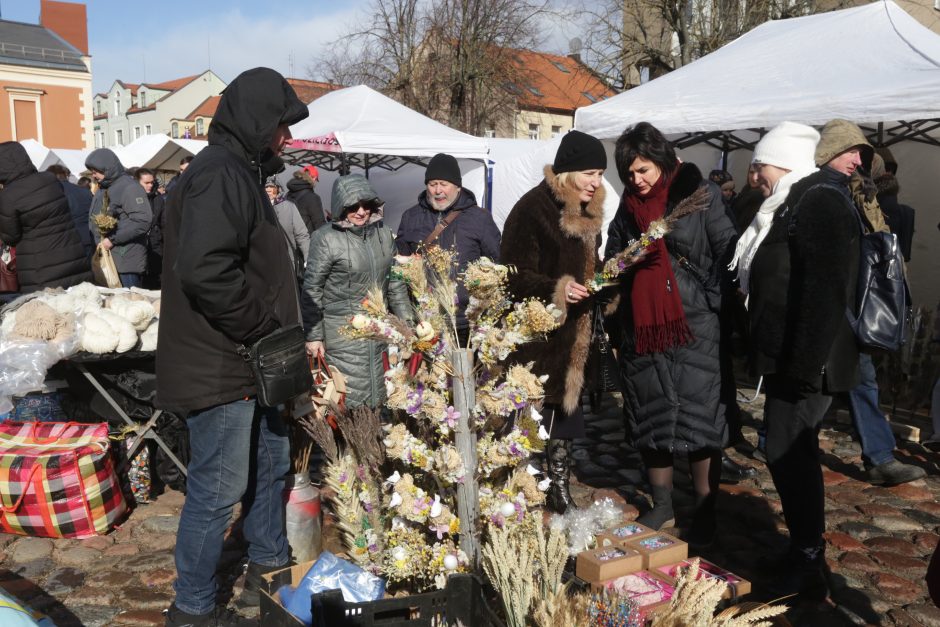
368,205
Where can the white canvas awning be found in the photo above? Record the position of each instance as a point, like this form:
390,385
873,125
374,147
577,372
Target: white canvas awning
372,130
870,64
158,152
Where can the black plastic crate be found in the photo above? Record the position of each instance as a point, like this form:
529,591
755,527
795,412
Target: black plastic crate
462,600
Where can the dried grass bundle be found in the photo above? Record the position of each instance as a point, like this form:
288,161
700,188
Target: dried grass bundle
362,430
322,434
339,477
509,564
552,555
562,609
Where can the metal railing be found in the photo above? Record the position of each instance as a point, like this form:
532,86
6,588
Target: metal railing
38,53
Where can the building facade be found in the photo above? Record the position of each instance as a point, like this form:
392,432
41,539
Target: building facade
45,78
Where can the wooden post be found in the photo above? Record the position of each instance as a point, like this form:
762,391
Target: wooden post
468,505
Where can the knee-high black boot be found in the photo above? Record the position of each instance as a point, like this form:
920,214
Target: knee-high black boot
558,461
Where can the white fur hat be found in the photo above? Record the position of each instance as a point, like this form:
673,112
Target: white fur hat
788,145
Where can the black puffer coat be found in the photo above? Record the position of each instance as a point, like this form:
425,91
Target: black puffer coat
302,194
473,234
673,396
800,286
227,276
35,219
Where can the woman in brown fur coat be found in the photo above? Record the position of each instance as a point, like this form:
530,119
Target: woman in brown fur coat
551,237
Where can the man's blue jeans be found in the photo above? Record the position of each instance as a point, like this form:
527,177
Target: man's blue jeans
872,427
239,452
130,279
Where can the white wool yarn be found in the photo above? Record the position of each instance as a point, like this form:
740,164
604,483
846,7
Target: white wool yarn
148,339
87,292
97,335
122,328
6,327
138,312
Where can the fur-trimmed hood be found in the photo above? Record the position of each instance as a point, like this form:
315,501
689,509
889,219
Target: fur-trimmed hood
888,184
577,219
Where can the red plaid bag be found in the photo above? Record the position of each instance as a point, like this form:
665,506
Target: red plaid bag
57,480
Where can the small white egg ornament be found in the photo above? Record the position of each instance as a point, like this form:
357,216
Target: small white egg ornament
450,562
507,510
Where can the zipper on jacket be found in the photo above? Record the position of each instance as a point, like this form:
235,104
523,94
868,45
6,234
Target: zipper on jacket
365,241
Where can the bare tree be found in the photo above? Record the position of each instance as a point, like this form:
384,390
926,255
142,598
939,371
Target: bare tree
630,38
449,59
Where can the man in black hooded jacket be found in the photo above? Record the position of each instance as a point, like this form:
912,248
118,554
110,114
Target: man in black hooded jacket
227,281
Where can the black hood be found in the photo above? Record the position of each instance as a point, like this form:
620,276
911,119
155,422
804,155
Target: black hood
252,107
298,185
14,162
106,162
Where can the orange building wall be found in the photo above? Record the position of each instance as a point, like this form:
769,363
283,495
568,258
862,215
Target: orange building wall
61,115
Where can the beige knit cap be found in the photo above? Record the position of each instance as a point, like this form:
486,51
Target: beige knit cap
836,137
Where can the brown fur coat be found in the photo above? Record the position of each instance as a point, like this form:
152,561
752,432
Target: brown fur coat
551,239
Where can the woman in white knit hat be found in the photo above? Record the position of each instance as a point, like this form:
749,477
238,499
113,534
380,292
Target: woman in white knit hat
798,261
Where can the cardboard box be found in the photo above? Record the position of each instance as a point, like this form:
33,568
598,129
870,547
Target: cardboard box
273,613
622,533
649,589
607,563
737,587
659,549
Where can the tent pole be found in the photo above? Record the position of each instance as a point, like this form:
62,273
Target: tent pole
881,133
724,151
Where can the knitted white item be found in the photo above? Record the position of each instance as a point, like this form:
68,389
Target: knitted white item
87,292
138,312
97,335
788,145
122,328
148,339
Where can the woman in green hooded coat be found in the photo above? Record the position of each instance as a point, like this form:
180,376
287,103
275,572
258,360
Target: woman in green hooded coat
347,258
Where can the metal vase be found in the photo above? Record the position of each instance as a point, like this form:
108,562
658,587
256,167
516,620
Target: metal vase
302,515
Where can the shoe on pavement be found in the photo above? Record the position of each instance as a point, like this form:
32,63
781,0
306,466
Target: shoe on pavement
894,473
219,617
797,576
733,472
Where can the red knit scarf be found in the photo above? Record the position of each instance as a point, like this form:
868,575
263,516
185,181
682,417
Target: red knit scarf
658,317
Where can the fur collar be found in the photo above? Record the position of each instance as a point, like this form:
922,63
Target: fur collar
686,181
584,223
888,184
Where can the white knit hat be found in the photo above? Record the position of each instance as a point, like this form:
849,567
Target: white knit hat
788,145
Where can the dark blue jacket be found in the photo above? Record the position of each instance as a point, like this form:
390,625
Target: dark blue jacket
79,205
473,235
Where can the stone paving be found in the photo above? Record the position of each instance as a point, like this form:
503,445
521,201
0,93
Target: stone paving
879,540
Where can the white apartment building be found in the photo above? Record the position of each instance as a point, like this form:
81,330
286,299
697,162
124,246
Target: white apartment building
129,111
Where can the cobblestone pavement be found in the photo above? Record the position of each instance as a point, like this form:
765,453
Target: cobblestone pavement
879,539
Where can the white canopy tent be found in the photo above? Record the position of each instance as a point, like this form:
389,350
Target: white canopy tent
158,152
874,65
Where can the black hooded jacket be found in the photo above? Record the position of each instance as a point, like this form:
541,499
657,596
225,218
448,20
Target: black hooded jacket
302,194
227,276
35,218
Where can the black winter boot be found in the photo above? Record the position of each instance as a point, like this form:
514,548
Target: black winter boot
251,594
704,524
661,515
558,461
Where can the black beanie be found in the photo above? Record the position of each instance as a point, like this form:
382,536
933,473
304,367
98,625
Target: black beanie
443,168
579,151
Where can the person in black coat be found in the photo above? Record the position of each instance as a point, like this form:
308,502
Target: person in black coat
35,219
148,181
227,282
898,216
301,190
473,233
802,275
669,355
79,205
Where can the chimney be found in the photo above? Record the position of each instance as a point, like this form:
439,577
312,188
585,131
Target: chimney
68,20
575,46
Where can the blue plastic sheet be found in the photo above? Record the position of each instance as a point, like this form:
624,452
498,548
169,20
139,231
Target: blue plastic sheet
330,573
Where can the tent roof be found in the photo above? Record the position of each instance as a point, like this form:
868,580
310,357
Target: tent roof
361,121
874,63
157,152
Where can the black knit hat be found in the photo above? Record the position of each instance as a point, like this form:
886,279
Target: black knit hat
443,168
579,151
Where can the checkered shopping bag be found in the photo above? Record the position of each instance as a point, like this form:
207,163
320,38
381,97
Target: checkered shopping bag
57,480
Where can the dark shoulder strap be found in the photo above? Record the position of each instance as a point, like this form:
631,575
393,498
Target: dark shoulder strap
443,224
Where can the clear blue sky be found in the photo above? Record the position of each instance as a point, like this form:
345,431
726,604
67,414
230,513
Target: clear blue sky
158,41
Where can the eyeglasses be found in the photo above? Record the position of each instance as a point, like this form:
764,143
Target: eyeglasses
368,205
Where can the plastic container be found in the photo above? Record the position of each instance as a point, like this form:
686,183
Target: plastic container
302,516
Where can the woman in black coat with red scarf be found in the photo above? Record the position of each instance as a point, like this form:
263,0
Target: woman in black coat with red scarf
669,314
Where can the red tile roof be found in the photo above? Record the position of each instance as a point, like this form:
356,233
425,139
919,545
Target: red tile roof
174,84
206,108
132,86
308,91
554,82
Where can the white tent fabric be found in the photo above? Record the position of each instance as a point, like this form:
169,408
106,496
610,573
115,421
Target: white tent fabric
361,120
158,152
36,151
873,63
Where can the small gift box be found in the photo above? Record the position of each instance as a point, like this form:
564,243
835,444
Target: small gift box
607,563
648,589
737,587
623,532
659,549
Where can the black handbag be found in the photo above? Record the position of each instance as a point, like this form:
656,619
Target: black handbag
602,372
280,365
882,301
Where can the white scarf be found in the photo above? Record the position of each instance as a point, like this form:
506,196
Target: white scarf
755,233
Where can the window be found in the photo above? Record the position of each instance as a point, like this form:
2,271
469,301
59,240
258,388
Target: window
588,96
25,112
142,97
97,107
119,137
490,132
117,105
101,139
533,131
511,88
175,130
136,132
200,127
556,131
147,130
535,91
561,66
644,74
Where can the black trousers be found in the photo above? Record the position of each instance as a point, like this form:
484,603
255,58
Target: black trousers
792,419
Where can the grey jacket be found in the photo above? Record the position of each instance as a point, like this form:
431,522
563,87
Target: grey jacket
128,203
345,262
298,239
